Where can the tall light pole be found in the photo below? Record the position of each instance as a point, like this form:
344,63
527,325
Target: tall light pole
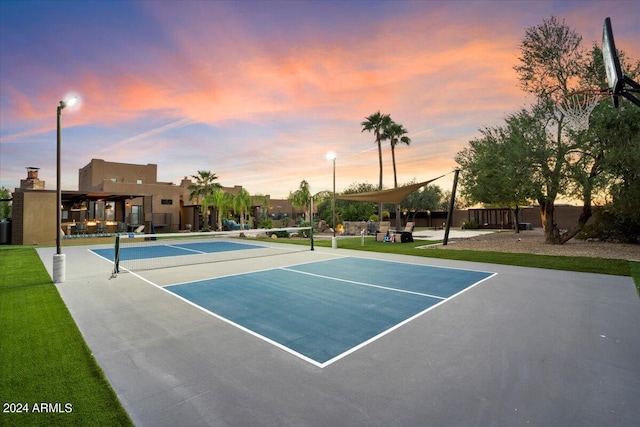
59,258
332,156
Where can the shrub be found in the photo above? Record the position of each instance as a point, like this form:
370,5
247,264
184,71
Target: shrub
280,234
469,225
610,227
266,223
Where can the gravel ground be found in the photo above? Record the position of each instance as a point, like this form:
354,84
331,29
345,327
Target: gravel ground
533,242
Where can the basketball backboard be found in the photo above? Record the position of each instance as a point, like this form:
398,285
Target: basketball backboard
616,79
611,60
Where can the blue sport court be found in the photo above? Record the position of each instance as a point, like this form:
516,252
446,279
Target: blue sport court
175,249
323,311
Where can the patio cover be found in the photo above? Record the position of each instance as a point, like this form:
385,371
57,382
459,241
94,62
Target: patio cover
394,195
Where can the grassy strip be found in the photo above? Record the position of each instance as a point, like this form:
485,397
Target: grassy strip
634,267
44,357
569,263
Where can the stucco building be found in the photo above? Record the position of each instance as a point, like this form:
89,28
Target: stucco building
111,197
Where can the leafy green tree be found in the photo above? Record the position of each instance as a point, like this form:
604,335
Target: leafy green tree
617,135
537,155
346,210
566,162
356,211
429,198
5,207
496,168
551,63
460,202
551,59
618,150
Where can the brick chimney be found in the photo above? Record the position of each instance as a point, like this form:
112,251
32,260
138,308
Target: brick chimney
32,182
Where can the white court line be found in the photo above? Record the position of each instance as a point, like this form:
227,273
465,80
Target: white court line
261,270
404,322
232,323
364,284
181,248
424,265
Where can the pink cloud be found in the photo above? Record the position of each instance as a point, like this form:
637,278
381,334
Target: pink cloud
286,99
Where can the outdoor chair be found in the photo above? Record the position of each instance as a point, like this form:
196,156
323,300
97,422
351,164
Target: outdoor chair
406,235
383,231
101,228
121,228
81,228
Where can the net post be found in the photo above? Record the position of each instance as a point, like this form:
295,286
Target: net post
116,257
311,218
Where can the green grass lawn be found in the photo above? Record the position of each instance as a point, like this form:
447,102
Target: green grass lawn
568,263
588,265
45,363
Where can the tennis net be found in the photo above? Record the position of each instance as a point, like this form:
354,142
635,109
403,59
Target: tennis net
136,252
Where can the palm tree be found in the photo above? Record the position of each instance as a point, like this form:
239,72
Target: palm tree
300,198
205,186
222,202
262,206
395,133
242,204
377,123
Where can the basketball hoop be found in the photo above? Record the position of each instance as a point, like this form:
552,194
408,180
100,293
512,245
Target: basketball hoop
576,107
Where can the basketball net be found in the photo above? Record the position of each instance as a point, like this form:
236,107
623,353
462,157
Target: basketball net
576,107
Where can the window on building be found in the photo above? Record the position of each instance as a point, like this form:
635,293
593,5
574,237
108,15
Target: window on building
135,218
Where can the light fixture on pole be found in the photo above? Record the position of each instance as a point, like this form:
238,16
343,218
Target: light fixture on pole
332,156
59,258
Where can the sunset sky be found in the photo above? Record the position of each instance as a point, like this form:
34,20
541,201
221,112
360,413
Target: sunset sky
259,91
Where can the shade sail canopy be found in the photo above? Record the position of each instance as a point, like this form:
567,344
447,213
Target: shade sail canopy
394,195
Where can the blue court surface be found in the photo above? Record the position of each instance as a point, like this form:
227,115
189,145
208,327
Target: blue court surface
323,311
158,250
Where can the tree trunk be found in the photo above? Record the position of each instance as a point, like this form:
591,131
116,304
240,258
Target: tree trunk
380,181
393,161
395,185
515,216
582,221
551,232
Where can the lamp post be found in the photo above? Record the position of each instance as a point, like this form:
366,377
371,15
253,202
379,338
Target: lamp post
59,257
332,156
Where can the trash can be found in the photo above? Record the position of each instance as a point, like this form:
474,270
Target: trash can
371,227
406,237
5,232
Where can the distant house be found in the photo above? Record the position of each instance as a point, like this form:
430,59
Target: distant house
111,197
